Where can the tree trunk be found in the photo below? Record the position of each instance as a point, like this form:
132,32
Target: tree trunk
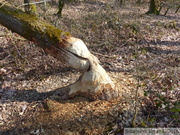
121,3
29,8
60,7
155,6
94,83
139,1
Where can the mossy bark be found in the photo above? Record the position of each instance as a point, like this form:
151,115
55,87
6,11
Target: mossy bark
32,28
154,8
29,8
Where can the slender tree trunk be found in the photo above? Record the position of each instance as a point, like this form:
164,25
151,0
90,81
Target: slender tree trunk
121,3
139,1
29,8
94,83
45,4
60,7
177,9
155,6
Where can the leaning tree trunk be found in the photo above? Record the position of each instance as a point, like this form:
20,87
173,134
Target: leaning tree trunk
155,7
94,83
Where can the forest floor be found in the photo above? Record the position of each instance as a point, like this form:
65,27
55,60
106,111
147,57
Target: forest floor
140,52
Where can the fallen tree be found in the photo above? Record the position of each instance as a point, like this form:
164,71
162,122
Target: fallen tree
94,83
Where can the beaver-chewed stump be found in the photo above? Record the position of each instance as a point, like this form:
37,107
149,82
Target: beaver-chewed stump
92,85
94,82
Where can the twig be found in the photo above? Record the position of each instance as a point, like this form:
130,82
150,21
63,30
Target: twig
3,4
135,106
107,56
177,9
171,122
18,51
136,95
102,44
167,10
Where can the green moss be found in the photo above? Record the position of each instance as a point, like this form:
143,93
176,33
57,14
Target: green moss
42,27
17,13
52,32
32,9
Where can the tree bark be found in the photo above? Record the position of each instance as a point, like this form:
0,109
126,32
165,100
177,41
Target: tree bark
94,83
29,8
139,1
154,8
121,3
60,7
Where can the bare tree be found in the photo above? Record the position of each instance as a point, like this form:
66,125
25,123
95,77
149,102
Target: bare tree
94,83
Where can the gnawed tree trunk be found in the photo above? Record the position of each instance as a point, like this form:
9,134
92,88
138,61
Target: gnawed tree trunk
94,83
155,7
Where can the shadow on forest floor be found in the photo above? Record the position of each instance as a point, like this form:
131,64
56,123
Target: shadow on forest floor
32,95
163,47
